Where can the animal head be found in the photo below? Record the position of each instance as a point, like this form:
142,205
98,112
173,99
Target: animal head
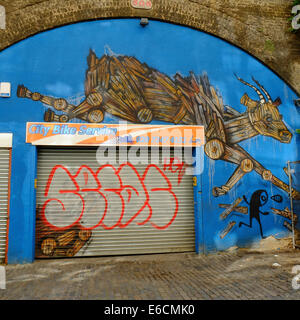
264,115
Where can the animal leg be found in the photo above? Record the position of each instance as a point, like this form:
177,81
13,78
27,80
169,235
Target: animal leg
219,150
268,176
245,167
88,110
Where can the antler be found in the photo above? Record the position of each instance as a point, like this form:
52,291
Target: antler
261,97
263,89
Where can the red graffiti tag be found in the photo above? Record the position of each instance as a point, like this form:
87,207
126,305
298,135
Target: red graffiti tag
175,166
107,198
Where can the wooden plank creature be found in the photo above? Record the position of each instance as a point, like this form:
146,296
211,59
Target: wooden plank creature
131,90
261,117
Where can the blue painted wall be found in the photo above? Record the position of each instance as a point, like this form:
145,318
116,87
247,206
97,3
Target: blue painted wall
54,63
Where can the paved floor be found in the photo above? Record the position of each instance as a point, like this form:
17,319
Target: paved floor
232,275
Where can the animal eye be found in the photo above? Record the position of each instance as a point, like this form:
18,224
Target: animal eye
269,119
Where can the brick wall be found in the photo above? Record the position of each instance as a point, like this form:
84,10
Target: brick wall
260,27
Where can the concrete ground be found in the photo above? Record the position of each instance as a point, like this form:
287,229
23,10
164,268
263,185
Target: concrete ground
241,274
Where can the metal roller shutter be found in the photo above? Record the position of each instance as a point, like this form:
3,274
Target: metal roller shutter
4,199
90,208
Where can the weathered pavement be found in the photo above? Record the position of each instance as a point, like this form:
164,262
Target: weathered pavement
231,275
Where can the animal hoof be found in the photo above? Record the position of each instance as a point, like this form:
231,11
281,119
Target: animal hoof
215,192
219,191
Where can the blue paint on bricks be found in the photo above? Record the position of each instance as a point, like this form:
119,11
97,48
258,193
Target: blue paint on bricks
54,63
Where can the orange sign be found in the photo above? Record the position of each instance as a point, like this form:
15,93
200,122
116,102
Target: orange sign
45,133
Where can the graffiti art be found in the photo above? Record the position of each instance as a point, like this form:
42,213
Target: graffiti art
258,199
86,200
133,91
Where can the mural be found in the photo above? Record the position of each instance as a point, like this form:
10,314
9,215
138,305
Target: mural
131,90
258,199
193,78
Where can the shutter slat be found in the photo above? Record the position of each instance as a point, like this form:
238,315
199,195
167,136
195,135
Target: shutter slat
4,182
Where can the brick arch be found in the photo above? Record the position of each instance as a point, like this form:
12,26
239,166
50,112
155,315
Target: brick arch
256,26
